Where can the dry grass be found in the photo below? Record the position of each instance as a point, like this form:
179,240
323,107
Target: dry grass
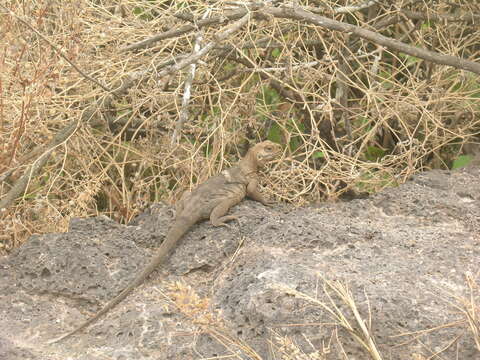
342,309
465,306
468,307
274,79
198,311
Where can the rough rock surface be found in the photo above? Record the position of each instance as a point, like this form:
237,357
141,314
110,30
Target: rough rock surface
259,288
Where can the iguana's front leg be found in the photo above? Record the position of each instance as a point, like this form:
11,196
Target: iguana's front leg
254,194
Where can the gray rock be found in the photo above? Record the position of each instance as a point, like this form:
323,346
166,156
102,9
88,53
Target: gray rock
403,253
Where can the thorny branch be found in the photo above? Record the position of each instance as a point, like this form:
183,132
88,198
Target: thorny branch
233,15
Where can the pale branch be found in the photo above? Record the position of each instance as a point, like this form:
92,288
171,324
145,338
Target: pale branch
194,57
354,8
297,13
281,69
21,185
231,15
180,62
187,90
266,43
322,7
404,14
468,18
341,91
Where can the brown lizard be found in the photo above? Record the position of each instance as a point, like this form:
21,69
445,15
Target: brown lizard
210,200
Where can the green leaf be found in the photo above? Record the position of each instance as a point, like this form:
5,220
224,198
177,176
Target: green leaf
294,126
295,143
229,67
276,53
318,155
271,96
411,60
426,25
461,161
275,134
364,123
374,153
268,97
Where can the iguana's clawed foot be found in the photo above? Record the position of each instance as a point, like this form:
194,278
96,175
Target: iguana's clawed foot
223,220
228,226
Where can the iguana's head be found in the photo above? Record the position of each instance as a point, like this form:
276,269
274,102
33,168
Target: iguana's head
265,151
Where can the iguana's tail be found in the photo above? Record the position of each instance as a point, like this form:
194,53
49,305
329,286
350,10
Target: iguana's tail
181,225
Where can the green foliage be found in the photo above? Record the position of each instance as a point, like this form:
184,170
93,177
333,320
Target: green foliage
295,143
229,66
142,13
292,126
461,161
276,52
209,118
145,13
374,153
374,180
269,98
363,123
426,25
467,84
387,79
410,60
318,155
275,134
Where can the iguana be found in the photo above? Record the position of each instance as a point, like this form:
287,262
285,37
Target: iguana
210,200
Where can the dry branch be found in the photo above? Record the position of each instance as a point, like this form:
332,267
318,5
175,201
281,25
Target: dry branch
231,15
409,111
105,103
21,185
298,13
187,90
468,18
57,50
140,76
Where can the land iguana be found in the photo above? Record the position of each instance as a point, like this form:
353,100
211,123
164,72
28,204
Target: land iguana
210,200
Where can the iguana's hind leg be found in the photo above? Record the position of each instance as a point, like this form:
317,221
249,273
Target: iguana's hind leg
218,215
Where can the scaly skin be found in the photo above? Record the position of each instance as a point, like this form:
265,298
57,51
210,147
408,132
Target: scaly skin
211,200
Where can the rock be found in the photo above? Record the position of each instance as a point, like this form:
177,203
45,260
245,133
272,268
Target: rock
271,285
